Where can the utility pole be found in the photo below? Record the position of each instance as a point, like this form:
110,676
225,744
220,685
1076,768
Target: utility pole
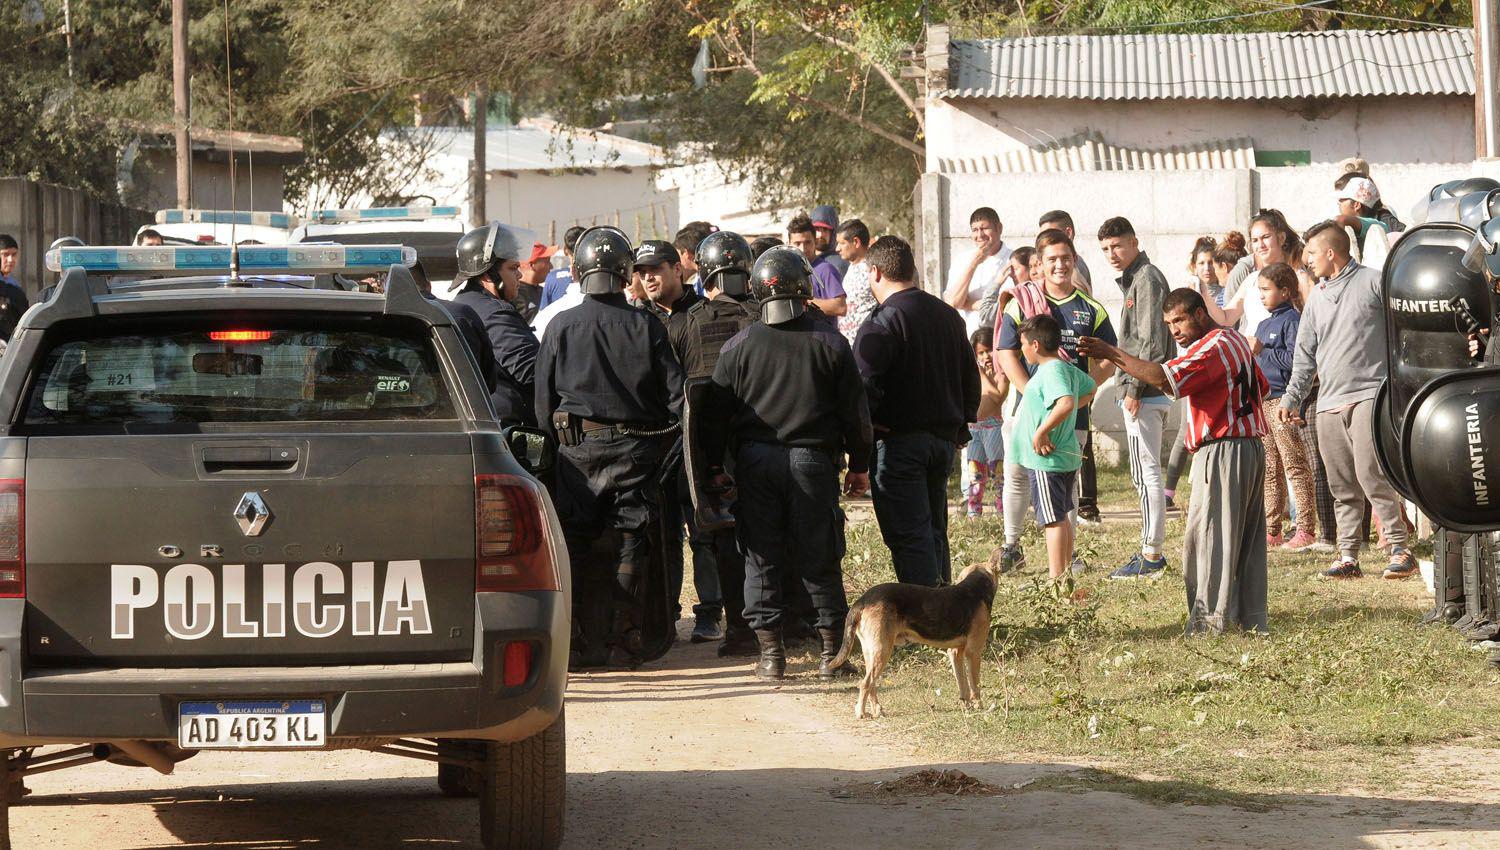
477,214
180,104
1486,85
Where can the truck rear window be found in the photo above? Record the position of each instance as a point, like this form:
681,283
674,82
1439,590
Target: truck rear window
243,373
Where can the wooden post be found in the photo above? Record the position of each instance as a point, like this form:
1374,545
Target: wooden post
1486,99
477,211
181,105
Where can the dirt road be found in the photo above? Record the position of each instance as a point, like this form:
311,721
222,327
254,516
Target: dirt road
694,753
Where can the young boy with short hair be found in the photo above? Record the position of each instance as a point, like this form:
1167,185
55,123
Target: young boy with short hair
1044,441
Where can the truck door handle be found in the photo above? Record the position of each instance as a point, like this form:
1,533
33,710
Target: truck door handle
250,459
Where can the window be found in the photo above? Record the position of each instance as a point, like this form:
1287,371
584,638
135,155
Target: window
245,372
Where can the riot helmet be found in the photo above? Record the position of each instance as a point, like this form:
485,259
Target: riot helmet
782,282
481,248
724,262
602,260
1475,208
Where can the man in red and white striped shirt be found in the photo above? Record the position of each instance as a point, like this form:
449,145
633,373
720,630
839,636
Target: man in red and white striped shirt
1224,555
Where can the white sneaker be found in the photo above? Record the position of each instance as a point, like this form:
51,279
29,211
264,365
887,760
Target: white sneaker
1320,546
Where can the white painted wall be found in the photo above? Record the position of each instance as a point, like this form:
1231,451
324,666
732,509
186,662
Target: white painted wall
705,192
550,203
1387,129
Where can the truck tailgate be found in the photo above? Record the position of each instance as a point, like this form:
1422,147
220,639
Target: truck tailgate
194,550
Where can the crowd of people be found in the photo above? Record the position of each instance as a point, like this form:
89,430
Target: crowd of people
823,354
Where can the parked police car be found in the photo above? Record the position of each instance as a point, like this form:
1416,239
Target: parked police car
270,514
433,231
219,227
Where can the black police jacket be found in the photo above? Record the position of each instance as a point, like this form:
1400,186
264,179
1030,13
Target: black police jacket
607,361
698,333
514,347
791,384
13,303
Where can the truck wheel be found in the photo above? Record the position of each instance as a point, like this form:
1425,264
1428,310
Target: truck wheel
521,795
456,781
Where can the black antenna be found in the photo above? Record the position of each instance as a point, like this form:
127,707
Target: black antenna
234,245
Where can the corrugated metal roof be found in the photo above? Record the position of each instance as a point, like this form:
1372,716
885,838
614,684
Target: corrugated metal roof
1089,152
1230,66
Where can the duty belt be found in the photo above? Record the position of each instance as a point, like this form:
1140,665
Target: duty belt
629,429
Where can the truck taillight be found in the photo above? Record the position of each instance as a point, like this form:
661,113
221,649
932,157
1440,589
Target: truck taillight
511,551
12,538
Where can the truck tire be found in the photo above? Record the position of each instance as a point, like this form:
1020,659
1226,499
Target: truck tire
521,793
10,786
454,780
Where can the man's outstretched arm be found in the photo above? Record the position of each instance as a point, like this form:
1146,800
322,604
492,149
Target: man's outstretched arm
1142,370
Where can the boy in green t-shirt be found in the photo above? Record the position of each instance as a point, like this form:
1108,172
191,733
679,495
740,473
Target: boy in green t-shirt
1044,441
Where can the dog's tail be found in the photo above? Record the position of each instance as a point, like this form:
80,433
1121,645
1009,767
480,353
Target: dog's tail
851,623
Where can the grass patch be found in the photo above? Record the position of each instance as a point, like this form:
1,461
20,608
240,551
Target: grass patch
1338,697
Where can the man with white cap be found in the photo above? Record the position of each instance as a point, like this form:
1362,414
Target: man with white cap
1358,201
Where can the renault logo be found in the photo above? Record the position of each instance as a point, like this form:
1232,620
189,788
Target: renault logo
252,514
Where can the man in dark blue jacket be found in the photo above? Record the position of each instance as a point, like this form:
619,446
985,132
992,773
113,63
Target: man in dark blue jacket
923,386
489,270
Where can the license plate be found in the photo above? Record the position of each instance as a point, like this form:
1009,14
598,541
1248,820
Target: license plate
245,725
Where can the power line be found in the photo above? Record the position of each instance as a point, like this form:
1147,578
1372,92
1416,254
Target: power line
1322,6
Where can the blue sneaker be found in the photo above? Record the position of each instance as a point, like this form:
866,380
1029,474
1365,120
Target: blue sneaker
1152,567
1131,569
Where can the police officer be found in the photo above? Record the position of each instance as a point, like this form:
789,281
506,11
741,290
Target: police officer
788,397
489,270
610,389
698,334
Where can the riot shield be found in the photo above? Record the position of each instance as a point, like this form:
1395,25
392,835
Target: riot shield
710,512
1448,449
1388,442
1427,291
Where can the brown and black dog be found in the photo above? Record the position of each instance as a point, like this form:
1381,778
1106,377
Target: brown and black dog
955,618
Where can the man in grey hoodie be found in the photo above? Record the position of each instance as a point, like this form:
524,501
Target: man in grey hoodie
1341,341
1143,335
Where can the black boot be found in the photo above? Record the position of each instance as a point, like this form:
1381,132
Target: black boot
832,640
738,640
772,654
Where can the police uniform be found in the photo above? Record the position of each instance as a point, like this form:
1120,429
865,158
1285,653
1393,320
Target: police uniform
513,352
789,400
513,347
610,389
677,503
698,335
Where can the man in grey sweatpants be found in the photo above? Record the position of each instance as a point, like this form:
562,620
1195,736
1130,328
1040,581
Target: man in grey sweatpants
1341,341
1224,553
1144,408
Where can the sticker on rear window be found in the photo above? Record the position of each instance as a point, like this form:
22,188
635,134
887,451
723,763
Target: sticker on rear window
387,384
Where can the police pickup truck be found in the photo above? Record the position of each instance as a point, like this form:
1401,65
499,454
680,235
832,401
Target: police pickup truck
254,511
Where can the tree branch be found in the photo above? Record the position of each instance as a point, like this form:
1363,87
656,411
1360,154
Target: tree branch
892,82
862,123
856,120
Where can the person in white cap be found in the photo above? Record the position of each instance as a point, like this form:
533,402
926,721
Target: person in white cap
1358,199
